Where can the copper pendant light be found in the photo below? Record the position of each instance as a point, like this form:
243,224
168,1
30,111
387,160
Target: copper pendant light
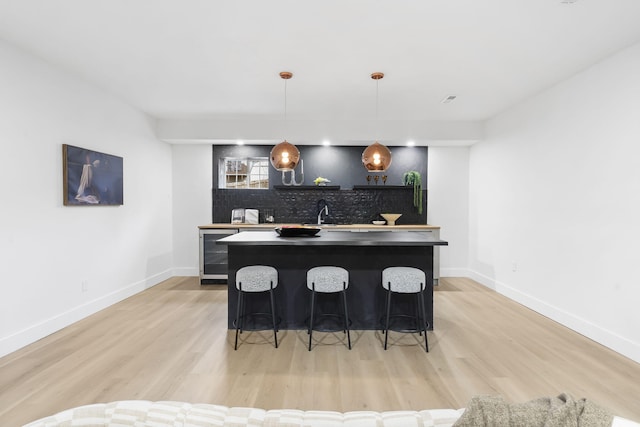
285,156
376,157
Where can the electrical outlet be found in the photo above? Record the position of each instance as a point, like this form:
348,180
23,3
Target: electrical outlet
85,286
514,266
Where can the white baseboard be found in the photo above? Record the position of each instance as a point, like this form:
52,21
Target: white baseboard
578,324
53,324
186,271
455,272
482,279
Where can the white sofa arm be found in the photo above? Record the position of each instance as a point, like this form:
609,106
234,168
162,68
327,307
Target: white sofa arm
136,413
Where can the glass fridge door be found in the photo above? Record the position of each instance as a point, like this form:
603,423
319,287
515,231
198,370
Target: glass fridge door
213,257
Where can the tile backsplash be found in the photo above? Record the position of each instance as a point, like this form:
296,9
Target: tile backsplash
300,205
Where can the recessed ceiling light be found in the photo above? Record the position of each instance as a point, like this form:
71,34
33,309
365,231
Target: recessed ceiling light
326,143
448,99
240,142
411,143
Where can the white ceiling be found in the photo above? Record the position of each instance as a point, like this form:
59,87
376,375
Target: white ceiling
219,60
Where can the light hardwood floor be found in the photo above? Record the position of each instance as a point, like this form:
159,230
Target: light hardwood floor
171,343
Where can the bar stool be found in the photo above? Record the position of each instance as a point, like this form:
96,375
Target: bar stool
252,279
406,280
328,280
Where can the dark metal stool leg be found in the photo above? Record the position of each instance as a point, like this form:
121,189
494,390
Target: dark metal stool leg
424,317
346,317
386,327
242,307
235,347
418,311
313,297
273,315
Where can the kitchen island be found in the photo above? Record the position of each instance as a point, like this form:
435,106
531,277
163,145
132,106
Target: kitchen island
364,255
213,257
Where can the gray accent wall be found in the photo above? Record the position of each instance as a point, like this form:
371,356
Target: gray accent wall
343,166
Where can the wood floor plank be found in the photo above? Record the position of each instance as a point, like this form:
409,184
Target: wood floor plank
171,343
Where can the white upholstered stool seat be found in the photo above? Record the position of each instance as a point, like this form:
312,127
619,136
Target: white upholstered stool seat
406,280
328,280
253,279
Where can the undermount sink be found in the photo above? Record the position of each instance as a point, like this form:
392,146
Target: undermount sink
324,224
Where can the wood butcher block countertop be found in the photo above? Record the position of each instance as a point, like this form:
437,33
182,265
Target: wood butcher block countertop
337,226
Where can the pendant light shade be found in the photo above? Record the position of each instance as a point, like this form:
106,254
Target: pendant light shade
376,157
285,156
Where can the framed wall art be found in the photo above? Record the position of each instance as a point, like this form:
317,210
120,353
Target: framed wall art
91,178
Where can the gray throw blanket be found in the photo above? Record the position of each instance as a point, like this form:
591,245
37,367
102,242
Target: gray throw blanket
561,411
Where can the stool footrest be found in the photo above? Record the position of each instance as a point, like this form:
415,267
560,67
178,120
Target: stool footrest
250,322
404,327
318,325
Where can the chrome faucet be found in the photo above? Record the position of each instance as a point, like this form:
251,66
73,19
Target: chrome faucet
324,209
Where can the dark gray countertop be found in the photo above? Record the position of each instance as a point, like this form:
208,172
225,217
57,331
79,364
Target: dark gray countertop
333,238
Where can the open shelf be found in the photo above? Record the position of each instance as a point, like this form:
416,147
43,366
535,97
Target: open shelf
337,187
382,187
306,187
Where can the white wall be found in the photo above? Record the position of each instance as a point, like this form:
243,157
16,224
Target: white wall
192,181
555,203
448,207
47,249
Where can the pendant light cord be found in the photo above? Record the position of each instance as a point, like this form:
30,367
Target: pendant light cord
285,75
285,107
377,118
377,114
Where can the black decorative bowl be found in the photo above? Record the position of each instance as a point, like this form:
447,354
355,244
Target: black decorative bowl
297,231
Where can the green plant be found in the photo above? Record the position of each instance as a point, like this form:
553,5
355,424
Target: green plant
413,178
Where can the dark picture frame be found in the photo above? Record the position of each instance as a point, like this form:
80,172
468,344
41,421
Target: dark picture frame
91,178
